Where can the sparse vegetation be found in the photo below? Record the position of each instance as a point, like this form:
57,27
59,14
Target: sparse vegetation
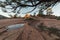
40,14
30,19
13,16
51,30
42,27
54,31
34,14
58,18
49,11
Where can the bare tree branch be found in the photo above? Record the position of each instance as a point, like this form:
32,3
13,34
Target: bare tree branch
34,3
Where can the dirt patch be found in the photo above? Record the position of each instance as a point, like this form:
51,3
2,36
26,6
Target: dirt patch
30,31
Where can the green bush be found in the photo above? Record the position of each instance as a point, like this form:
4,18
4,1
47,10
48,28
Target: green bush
58,18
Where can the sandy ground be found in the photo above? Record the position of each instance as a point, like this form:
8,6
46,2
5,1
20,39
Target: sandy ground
29,31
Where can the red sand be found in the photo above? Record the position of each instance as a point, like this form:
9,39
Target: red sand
28,32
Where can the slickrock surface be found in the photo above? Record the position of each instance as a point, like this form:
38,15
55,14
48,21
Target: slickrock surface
30,31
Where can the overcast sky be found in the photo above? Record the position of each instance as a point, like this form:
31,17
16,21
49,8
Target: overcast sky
55,9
